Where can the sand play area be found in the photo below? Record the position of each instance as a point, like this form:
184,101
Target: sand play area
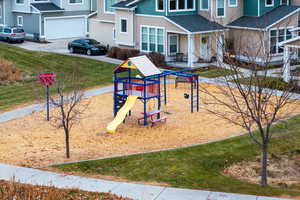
31,141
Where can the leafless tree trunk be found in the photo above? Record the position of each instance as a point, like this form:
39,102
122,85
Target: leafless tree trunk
251,100
70,108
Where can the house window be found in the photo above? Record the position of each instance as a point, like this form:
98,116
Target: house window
220,8
123,25
160,5
152,39
75,1
20,20
277,36
108,4
204,4
269,3
173,44
19,1
181,5
232,3
284,2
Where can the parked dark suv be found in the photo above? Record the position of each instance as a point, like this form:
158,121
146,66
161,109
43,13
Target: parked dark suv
12,34
87,46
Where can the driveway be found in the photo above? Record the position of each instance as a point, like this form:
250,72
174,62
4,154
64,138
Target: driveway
60,46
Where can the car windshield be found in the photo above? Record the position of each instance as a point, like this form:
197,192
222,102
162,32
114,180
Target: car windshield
18,31
91,42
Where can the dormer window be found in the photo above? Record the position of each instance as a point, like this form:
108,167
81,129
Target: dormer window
19,1
75,1
269,3
181,5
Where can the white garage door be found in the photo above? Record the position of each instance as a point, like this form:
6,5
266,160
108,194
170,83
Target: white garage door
65,27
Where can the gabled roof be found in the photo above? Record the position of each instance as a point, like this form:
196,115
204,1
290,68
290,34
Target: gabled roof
47,7
126,4
142,63
266,20
194,23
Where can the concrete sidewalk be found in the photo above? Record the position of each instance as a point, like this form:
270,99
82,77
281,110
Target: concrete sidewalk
131,190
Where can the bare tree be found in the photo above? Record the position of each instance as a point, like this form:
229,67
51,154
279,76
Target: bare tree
251,98
70,107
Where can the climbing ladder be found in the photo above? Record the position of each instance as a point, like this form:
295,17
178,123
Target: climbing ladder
163,90
195,94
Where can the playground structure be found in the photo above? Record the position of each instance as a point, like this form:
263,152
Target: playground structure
149,85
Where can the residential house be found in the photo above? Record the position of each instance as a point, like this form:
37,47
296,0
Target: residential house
197,29
49,19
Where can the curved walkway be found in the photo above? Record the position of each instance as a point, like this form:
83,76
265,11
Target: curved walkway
130,190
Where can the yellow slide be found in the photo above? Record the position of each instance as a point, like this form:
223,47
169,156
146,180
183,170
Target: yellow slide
112,126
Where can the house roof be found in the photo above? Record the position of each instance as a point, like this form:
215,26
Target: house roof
142,63
195,23
46,7
265,21
126,4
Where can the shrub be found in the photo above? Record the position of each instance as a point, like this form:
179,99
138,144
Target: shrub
112,53
122,54
8,72
158,59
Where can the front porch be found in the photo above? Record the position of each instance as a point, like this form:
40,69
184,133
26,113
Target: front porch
198,45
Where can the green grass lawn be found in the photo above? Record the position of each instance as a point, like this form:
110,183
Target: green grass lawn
92,72
198,167
214,72
208,72
267,82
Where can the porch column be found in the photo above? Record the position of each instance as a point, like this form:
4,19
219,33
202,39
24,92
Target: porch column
191,48
286,64
220,48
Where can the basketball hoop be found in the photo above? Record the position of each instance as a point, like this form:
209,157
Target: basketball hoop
47,79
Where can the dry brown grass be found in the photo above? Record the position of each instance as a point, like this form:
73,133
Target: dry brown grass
32,141
283,171
15,191
8,72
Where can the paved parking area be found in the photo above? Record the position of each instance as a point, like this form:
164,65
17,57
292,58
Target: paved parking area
60,46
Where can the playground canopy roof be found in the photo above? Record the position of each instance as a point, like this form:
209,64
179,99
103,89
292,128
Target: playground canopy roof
142,63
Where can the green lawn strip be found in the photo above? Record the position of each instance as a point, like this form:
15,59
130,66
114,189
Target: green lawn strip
92,72
267,82
198,167
215,72
208,72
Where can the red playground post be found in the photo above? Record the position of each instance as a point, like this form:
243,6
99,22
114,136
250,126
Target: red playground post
47,79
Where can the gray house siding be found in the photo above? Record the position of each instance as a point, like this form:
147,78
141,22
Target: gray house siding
30,22
94,5
8,17
1,12
21,7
